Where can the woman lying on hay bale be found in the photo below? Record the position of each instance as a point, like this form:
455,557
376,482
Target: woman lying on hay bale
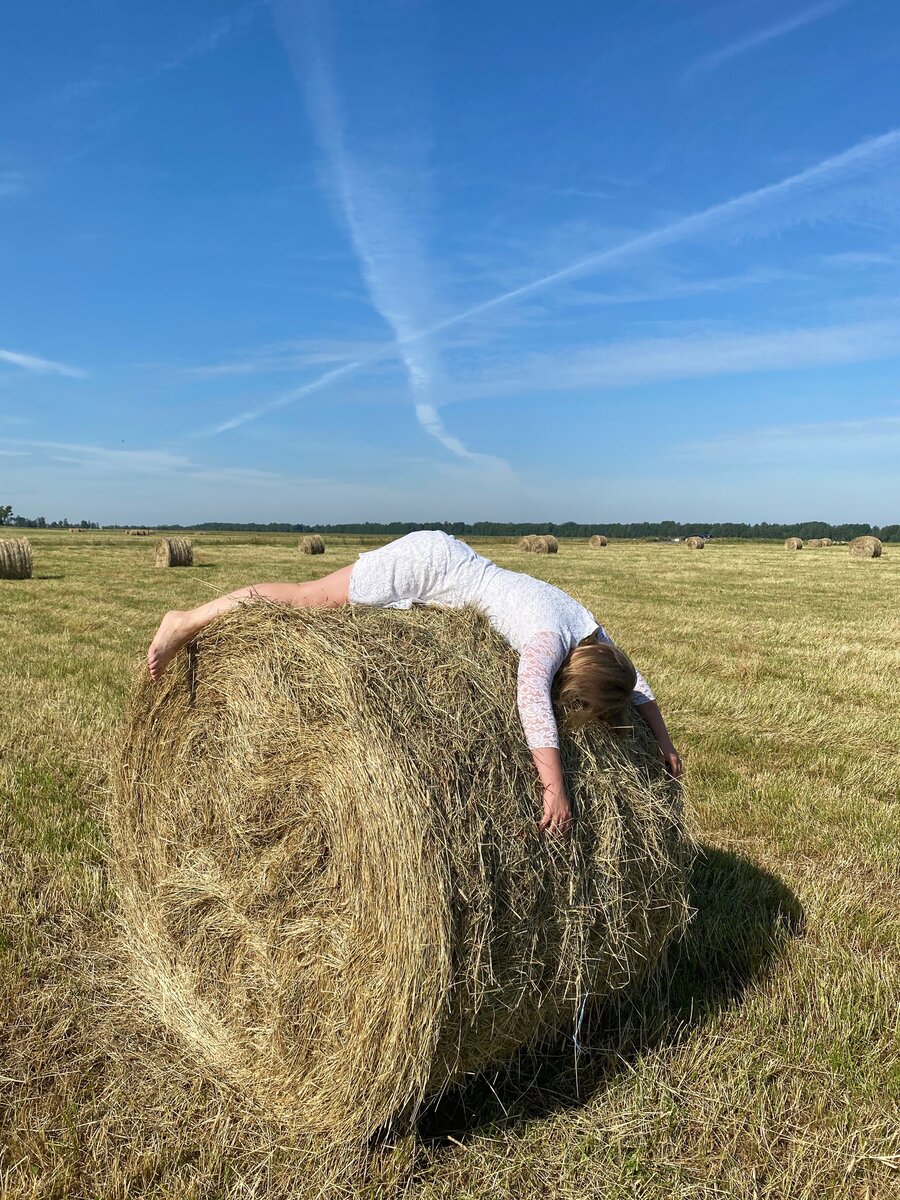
560,643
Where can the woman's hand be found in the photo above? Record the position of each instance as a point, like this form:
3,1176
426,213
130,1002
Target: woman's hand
557,816
672,759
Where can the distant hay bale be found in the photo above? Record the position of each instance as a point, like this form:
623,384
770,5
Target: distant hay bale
539,543
174,552
598,540
815,543
827,542
16,560
140,532
866,547
326,850
694,543
311,544
793,543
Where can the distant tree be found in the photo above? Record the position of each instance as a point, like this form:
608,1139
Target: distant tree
5,513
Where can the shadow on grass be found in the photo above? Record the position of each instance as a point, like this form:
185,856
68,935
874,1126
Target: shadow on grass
745,916
48,576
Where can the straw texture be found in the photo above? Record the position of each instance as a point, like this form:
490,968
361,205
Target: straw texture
539,543
174,552
331,878
598,540
311,544
793,543
695,543
16,560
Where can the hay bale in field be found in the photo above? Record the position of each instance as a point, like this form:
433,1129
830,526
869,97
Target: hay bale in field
174,552
16,560
793,543
327,855
140,532
815,543
311,544
827,542
866,547
598,540
539,543
694,543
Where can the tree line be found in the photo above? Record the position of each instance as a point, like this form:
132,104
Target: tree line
566,529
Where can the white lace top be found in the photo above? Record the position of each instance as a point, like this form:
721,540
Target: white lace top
540,621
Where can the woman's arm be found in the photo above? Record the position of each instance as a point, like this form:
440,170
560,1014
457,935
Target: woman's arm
538,663
557,810
649,710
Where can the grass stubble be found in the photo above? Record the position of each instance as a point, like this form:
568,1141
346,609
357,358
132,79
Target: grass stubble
763,1062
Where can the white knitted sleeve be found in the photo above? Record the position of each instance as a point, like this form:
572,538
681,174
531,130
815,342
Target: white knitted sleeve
539,661
641,693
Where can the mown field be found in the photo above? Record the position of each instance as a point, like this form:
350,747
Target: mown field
763,1063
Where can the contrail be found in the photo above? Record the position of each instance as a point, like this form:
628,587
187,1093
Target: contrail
866,155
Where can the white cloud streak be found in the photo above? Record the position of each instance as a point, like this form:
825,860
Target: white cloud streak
805,190
383,231
807,16
40,366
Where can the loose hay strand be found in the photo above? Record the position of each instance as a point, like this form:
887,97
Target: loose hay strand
16,558
174,552
329,866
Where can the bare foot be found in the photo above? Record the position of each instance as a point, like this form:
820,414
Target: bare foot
172,634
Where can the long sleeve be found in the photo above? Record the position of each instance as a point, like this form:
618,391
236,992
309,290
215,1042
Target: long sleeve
539,661
642,692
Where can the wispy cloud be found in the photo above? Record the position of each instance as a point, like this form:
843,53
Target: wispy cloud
875,437
806,195
40,366
806,16
690,355
382,224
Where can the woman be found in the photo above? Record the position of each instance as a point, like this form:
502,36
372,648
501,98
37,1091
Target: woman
559,642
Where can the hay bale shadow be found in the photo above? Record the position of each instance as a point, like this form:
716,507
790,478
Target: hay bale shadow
745,917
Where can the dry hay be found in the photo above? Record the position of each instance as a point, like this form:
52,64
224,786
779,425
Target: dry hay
174,552
327,856
311,544
694,543
539,543
866,547
827,542
140,532
793,543
815,543
598,540
16,560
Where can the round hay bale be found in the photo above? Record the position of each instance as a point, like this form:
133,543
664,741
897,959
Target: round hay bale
793,543
174,552
815,543
332,881
311,544
529,541
539,543
16,559
827,542
598,540
694,543
866,547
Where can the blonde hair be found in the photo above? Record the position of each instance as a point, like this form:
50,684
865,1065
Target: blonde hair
595,683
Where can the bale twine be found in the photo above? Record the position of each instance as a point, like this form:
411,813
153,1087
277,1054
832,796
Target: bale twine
694,543
793,543
174,552
311,544
16,560
598,540
327,855
866,547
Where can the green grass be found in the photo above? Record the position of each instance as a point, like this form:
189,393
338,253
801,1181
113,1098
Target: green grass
764,1063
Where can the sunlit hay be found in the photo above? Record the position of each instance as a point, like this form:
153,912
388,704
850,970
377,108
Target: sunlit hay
793,543
529,541
827,542
551,545
140,532
598,540
331,877
174,552
815,543
695,543
866,547
311,544
16,561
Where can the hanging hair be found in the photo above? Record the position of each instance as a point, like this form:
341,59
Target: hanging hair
595,683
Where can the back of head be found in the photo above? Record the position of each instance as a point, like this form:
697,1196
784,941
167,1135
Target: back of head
595,683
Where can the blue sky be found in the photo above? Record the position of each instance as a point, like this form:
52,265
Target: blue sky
315,261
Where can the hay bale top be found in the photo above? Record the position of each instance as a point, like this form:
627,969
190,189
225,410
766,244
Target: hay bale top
598,540
793,543
695,543
313,543
16,560
174,552
866,547
340,970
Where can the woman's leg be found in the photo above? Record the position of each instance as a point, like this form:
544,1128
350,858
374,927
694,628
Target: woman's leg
178,627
